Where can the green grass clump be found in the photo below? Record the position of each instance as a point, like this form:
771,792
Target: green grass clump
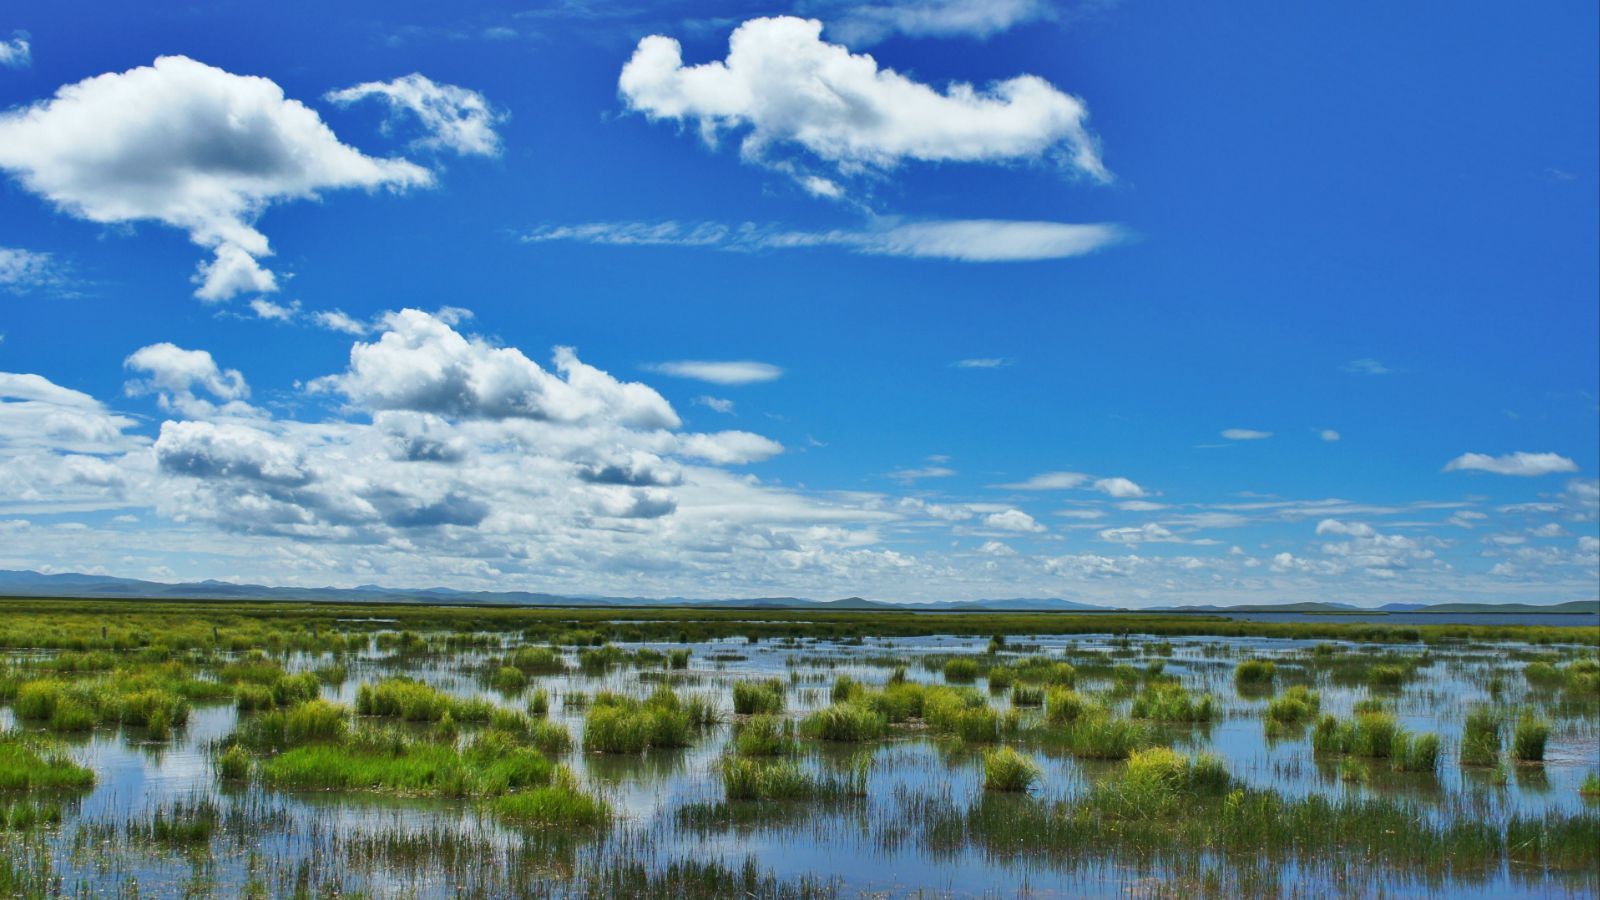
383,760
536,661
1387,676
251,697
1103,736
539,704
316,720
999,678
1161,779
960,669
846,689
678,659
1064,706
751,779
413,701
1529,737
765,736
751,698
558,805
899,701
1254,674
1415,753
1591,785
1480,737
1007,770
617,724
234,763
508,679
1293,706
70,715
1027,695
962,713
846,722
29,765
1171,703
290,689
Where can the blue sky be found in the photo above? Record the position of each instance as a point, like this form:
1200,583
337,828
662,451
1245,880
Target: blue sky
1121,302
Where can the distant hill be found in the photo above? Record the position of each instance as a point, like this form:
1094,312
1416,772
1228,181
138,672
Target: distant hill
36,584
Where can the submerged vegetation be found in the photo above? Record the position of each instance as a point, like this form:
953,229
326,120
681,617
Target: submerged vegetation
429,751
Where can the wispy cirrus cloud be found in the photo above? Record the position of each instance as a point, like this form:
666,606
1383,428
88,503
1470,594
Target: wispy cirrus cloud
1245,434
724,372
16,53
961,240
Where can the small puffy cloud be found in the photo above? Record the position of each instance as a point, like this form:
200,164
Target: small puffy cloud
723,372
860,25
789,91
715,404
422,364
1012,520
455,118
1350,529
996,548
1245,434
1519,463
16,53
1367,367
959,240
190,146
275,312
338,320
1121,488
174,374
1328,434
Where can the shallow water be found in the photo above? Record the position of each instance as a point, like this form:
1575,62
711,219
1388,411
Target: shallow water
870,845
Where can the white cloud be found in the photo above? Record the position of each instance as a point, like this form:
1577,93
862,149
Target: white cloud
1012,520
190,146
961,240
727,448
1120,488
1328,434
275,312
909,475
725,372
787,90
862,24
455,118
987,362
22,270
174,374
715,404
1367,367
1519,463
1140,506
338,320
1049,481
996,548
16,53
1245,434
1148,533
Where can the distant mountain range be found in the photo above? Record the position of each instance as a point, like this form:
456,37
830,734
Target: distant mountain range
35,584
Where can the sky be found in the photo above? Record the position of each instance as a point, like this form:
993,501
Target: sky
1127,303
